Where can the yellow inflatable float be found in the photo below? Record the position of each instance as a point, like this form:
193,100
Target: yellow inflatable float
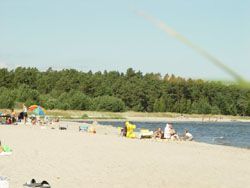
130,130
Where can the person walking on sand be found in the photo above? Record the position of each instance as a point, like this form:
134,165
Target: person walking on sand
25,113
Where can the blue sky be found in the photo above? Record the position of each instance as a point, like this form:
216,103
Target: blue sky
107,35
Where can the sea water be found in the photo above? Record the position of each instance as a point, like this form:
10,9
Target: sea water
235,134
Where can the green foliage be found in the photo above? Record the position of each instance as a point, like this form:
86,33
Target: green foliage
215,110
7,98
25,93
48,102
78,101
108,103
159,105
85,116
114,91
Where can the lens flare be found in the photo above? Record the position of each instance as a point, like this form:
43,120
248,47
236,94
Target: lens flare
164,27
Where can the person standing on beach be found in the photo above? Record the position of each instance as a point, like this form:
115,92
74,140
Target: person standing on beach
25,113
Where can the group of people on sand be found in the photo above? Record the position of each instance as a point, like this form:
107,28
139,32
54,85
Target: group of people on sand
8,117
11,117
170,133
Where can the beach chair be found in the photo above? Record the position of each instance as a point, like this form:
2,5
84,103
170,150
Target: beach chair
83,128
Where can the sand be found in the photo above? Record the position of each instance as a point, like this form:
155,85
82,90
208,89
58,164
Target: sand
75,159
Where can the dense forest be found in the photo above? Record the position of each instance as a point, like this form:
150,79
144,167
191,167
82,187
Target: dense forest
115,91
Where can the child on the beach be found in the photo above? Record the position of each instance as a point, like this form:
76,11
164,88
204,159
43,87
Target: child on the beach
158,133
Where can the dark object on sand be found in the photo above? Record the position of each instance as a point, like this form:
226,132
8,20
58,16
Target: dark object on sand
33,183
63,127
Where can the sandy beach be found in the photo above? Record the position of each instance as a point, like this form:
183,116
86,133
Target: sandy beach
75,159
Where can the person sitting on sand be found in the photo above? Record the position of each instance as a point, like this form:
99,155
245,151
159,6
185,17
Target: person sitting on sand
124,130
8,120
13,116
56,119
187,135
174,135
33,119
92,130
167,129
170,133
158,133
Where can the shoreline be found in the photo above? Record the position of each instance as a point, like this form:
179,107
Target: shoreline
77,123
145,116
157,119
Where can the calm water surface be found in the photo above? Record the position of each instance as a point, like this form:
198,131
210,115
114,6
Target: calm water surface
235,134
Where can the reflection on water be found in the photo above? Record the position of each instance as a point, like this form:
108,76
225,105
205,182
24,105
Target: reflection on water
231,134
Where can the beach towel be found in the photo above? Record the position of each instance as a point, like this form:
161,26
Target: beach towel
5,153
5,150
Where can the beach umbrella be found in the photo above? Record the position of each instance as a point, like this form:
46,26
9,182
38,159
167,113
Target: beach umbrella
39,111
33,107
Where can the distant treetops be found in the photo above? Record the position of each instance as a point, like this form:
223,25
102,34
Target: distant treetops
116,92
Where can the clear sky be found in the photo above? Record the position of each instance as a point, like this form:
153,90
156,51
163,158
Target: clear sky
107,35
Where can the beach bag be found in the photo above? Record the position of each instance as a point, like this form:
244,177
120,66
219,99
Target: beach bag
4,182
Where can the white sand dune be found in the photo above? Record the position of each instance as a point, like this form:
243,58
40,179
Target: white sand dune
75,159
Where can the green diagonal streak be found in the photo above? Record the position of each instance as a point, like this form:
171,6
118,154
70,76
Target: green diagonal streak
198,49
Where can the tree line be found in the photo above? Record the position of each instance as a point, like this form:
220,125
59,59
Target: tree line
117,92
